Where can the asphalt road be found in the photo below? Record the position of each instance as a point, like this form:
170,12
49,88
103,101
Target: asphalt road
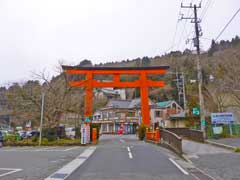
124,157
34,163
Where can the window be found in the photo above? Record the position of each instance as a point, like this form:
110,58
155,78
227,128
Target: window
158,113
130,114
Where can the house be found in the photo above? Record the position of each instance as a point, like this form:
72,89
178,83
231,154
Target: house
165,114
111,93
127,114
119,114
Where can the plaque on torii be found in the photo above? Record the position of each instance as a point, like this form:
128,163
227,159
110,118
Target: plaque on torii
143,83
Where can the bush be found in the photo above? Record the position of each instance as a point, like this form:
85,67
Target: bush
35,139
141,132
77,133
237,150
44,141
50,134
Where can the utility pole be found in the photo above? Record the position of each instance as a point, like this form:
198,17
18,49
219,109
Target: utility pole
41,122
196,41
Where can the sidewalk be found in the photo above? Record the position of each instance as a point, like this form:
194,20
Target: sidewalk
192,149
220,163
230,143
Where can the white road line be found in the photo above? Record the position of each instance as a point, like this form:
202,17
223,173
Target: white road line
9,169
70,148
33,149
69,168
130,155
179,167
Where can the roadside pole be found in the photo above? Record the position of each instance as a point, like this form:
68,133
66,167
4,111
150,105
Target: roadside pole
196,41
41,122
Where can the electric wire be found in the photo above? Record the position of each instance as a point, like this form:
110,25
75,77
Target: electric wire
225,27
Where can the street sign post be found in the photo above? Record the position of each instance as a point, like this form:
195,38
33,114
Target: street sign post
223,118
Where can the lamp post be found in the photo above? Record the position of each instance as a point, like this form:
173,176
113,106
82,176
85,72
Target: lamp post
41,122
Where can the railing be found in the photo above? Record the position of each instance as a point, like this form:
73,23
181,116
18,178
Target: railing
171,140
194,135
153,135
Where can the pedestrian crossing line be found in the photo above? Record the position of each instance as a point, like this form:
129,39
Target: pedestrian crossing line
69,168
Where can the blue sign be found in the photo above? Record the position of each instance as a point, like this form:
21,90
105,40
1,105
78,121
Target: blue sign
222,118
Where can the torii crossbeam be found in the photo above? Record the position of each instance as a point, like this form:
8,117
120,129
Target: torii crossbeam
143,83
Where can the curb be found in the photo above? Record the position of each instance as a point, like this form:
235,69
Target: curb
221,145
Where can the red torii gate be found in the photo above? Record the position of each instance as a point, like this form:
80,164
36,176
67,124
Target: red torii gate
143,83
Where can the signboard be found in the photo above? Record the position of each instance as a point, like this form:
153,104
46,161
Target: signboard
196,111
85,133
222,118
203,122
87,119
217,130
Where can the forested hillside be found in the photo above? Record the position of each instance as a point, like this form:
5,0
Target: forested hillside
221,77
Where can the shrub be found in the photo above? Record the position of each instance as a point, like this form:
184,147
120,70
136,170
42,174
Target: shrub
50,134
45,141
35,139
237,150
141,132
77,133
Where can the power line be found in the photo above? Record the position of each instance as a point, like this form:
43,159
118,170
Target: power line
176,29
225,27
205,9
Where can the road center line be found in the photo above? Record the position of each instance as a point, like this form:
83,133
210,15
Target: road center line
179,167
130,155
129,152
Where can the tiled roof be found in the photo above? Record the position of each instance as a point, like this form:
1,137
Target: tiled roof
163,104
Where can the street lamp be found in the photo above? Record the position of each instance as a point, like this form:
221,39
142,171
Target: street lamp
41,122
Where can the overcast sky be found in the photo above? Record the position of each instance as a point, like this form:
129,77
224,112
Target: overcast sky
35,34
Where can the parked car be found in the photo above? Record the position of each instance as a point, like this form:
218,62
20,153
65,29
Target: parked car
70,132
22,134
32,133
1,138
